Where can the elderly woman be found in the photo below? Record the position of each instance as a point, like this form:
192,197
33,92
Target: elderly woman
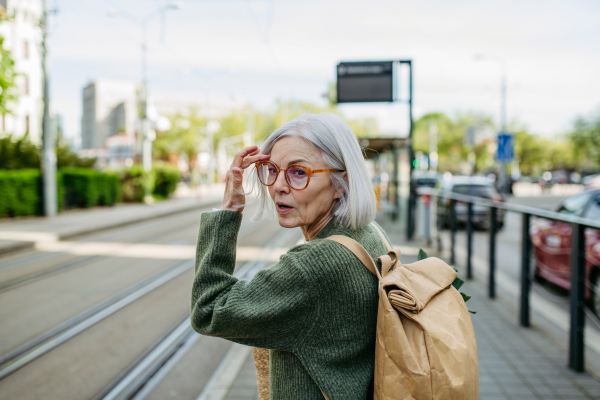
316,309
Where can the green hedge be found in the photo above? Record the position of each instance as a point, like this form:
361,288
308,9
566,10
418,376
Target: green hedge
135,183
166,179
86,188
20,192
161,182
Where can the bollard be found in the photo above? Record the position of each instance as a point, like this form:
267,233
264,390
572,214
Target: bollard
452,230
469,239
576,343
492,275
525,270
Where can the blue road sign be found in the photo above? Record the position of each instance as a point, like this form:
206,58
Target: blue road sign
505,147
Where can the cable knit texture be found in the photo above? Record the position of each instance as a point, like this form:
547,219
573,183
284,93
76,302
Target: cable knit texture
316,309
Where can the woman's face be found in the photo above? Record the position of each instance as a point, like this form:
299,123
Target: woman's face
301,208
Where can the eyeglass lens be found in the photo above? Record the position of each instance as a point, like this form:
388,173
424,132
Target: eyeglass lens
297,177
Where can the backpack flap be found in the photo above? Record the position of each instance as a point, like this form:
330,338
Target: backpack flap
410,287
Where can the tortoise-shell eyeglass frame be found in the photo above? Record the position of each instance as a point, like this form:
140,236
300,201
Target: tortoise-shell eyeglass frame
308,171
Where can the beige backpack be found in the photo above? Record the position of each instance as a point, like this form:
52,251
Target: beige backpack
425,346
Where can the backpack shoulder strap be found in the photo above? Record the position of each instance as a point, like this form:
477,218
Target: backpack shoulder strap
388,246
358,250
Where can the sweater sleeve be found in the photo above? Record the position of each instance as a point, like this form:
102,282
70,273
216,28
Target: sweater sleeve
270,311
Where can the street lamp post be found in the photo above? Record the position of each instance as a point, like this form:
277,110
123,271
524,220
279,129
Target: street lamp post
48,139
148,134
503,175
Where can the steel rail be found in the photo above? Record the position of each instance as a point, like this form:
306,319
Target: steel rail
578,261
146,373
536,212
30,351
81,262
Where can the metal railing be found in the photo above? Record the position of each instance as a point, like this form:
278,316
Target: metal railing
578,261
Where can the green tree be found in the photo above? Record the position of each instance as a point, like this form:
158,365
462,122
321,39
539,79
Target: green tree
585,138
183,139
9,91
451,147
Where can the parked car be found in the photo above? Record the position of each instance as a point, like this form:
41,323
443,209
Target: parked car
478,186
424,179
551,255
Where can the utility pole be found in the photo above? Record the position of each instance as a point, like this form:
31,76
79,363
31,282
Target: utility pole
48,139
412,196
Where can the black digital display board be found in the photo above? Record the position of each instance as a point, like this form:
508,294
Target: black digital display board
366,81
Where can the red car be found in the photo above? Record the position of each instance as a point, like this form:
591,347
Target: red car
552,246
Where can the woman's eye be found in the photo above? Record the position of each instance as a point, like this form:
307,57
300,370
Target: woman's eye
272,171
299,172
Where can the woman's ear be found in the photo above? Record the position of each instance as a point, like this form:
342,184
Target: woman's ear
345,176
337,193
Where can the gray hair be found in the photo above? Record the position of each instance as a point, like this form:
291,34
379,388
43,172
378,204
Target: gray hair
339,148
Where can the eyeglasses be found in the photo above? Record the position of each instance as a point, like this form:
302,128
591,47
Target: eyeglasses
296,176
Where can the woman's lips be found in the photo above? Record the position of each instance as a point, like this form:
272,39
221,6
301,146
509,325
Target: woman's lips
284,208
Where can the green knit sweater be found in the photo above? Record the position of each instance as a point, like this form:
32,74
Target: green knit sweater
316,309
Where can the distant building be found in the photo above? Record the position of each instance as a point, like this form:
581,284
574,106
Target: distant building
22,36
110,107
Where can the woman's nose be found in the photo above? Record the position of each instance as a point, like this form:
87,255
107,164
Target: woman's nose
281,184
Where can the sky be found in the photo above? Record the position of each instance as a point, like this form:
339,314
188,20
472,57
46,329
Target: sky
261,50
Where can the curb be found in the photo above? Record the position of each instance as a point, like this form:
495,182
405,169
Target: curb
21,245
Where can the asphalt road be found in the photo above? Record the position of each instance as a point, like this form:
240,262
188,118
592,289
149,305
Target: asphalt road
39,290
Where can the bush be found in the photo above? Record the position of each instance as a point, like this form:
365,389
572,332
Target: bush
87,188
166,179
20,192
135,183
18,153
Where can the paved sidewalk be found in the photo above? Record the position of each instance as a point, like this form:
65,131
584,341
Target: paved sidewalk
21,233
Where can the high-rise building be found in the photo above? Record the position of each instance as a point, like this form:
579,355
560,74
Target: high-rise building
110,107
22,36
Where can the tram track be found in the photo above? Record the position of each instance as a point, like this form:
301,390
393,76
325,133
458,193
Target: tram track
80,262
141,377
51,339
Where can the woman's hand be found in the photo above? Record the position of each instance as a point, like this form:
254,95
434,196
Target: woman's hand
233,200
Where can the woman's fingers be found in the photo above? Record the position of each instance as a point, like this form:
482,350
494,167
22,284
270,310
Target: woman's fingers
249,160
239,157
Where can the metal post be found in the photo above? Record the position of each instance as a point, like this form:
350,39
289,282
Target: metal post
48,139
492,276
469,239
427,217
525,272
452,230
396,186
411,155
577,297
438,225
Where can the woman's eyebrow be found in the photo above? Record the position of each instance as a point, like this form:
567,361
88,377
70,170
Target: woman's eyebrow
297,161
